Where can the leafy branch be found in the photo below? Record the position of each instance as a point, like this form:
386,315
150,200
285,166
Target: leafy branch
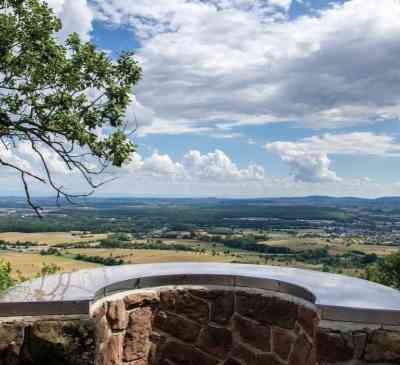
66,101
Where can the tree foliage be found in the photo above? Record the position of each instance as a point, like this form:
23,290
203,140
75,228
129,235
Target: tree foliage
5,275
56,96
386,271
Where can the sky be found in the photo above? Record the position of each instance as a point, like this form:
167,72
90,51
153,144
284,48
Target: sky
251,98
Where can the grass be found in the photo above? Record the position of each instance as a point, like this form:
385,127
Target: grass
50,238
379,250
30,264
297,243
335,246
151,256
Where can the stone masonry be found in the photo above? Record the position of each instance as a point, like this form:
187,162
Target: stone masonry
205,326
47,341
343,343
193,325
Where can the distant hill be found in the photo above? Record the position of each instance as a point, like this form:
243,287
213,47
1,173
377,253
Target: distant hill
324,201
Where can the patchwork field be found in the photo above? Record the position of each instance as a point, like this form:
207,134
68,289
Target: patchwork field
379,250
50,238
335,246
29,265
151,256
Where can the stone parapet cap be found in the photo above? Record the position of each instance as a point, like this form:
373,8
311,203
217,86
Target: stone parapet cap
339,298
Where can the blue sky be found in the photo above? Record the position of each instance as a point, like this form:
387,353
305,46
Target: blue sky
255,97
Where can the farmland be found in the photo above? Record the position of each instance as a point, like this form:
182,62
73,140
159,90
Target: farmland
329,237
50,238
152,256
29,265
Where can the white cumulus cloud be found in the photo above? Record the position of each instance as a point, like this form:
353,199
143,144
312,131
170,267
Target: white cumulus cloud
76,16
309,157
217,166
212,167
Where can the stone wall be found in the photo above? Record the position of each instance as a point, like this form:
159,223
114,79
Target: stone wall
207,326
343,343
47,341
196,326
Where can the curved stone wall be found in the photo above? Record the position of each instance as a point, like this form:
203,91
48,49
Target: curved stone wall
191,325
197,313
205,325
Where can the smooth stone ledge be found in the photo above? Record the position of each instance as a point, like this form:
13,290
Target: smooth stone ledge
339,298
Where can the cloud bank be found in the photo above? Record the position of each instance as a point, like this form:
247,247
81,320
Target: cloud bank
212,65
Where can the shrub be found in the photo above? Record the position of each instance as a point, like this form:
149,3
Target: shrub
5,275
386,271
